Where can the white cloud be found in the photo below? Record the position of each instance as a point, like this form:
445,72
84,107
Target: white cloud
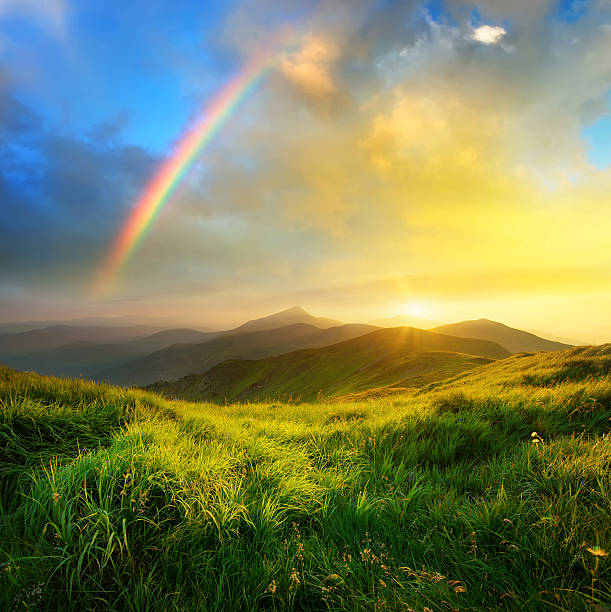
489,35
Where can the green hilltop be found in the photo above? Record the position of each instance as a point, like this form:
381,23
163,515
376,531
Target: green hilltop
398,357
489,490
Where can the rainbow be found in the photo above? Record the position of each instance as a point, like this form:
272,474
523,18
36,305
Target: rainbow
174,168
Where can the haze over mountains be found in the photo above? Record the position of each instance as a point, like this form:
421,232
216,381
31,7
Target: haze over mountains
86,358
123,322
144,354
102,352
57,336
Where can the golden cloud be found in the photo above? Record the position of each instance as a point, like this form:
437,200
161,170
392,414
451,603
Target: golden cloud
309,67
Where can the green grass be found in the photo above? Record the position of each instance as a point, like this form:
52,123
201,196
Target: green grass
439,498
311,375
397,357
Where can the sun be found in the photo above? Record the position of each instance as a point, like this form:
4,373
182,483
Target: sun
414,309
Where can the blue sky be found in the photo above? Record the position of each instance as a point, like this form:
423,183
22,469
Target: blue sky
120,64
598,137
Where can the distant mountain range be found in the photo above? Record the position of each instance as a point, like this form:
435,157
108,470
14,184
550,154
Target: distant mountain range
403,356
124,321
86,358
179,360
65,350
57,336
143,354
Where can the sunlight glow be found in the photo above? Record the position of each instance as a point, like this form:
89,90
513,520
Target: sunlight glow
414,309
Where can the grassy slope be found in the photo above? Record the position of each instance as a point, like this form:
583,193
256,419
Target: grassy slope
437,499
181,359
301,376
514,340
402,356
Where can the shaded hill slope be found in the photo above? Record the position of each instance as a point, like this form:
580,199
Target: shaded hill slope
56,336
514,340
86,358
181,359
402,356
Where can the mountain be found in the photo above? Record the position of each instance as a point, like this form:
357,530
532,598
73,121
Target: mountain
86,358
152,323
405,320
514,340
179,360
398,357
280,319
290,316
84,350
56,336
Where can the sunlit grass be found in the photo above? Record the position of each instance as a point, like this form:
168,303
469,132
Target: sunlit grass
440,498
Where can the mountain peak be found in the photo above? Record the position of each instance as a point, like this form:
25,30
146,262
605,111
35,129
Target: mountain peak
290,316
293,310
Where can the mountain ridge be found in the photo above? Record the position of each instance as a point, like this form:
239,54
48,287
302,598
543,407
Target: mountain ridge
513,339
179,360
66,350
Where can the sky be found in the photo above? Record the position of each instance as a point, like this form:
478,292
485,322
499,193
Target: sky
444,158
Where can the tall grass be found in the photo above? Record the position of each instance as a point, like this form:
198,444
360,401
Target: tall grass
440,499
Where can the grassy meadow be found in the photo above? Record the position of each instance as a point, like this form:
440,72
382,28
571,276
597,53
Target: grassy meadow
487,491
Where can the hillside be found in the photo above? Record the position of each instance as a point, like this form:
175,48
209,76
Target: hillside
514,340
489,491
86,358
401,357
57,336
180,360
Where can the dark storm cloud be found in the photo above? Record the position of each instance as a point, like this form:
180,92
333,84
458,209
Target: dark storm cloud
61,197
